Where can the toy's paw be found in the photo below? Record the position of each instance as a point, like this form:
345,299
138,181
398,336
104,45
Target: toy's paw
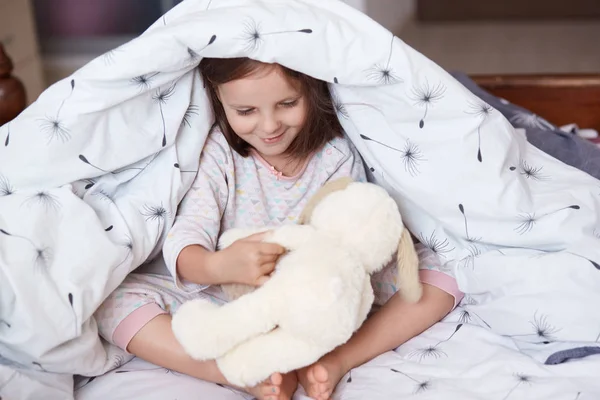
194,327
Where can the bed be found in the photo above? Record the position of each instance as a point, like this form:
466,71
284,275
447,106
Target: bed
561,99
456,358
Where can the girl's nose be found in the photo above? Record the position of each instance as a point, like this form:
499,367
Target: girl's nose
270,124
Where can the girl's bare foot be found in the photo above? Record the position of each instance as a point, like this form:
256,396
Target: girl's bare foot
320,379
277,387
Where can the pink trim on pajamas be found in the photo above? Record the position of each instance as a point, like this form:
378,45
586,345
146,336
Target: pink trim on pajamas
134,322
432,272
443,282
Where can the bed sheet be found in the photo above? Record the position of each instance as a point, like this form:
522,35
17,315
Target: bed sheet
455,359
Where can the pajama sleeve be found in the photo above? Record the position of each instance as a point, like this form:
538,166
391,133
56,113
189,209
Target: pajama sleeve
351,164
198,220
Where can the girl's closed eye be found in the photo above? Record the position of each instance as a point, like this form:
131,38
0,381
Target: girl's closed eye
245,112
286,104
290,104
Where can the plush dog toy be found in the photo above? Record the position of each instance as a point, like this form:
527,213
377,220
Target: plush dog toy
319,294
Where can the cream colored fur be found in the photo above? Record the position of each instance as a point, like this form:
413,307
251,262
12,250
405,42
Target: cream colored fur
234,290
319,294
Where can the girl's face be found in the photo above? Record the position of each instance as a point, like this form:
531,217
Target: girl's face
264,110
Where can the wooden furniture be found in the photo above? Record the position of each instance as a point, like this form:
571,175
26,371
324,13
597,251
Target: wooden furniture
561,99
478,10
19,37
12,91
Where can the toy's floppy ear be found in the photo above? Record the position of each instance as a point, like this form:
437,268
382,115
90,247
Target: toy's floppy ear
328,188
408,283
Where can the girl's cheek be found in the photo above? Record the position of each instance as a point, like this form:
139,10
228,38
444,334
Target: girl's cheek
242,125
300,115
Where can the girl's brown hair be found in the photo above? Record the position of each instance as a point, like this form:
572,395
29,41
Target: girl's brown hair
321,123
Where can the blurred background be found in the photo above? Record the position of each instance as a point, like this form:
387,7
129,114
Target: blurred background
49,39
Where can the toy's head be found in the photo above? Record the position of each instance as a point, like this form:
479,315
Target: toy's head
364,217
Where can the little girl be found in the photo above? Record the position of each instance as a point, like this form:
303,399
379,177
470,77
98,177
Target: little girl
276,141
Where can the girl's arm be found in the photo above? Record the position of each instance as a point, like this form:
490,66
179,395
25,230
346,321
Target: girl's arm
248,261
196,264
190,251
193,237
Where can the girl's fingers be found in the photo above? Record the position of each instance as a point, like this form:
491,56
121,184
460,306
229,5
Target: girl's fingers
268,258
271,249
262,280
267,268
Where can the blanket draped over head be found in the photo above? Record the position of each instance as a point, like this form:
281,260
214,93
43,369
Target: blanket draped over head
91,175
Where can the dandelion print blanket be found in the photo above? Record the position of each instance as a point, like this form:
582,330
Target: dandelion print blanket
91,175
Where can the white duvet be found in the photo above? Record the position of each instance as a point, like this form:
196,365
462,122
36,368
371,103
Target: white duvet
444,363
92,172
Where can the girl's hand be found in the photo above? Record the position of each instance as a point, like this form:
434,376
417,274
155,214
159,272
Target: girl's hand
249,261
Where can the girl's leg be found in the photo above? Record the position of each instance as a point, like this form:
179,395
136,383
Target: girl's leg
395,323
157,344
136,318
